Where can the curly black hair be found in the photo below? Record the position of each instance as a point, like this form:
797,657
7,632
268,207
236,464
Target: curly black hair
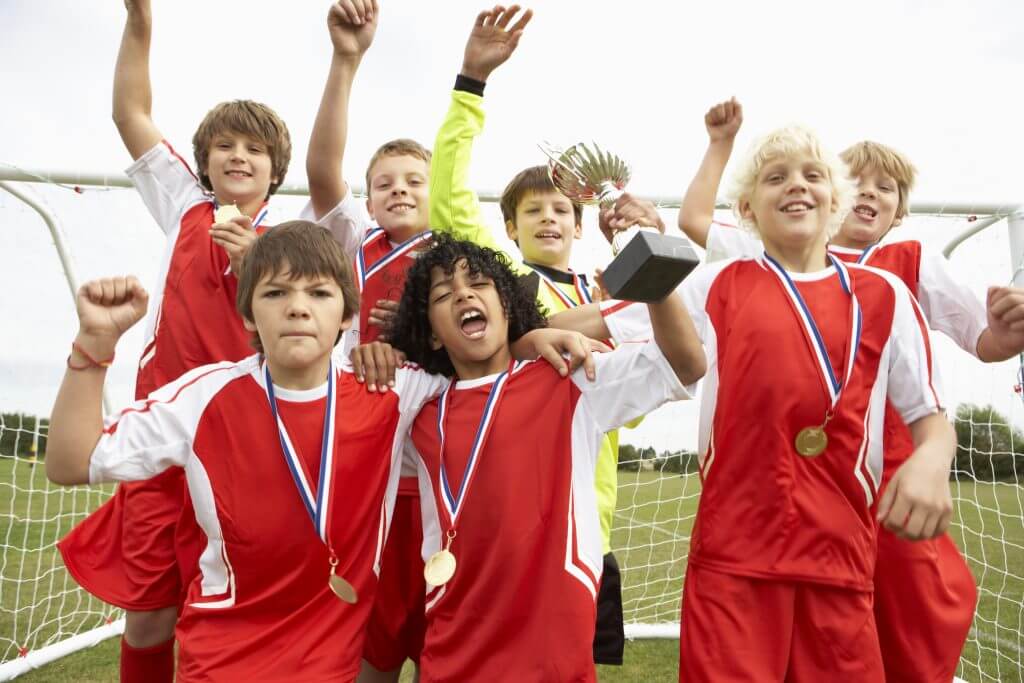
411,331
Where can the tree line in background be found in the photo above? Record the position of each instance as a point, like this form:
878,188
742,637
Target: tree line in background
988,447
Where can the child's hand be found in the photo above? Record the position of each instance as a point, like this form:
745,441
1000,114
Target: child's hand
628,212
235,236
723,120
375,363
352,24
917,504
107,308
382,316
599,292
491,42
1006,317
553,345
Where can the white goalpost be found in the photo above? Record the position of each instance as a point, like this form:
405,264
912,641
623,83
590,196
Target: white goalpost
56,225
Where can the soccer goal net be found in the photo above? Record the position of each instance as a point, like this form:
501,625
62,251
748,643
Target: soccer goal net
100,228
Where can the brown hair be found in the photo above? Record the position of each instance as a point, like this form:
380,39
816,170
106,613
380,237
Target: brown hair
245,117
401,147
531,180
303,249
866,154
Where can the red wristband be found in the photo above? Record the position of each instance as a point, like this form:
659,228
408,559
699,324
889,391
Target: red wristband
93,363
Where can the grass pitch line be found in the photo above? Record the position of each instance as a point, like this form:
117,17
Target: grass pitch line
671,534
998,641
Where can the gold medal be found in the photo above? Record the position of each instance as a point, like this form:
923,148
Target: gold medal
225,213
440,568
342,588
811,441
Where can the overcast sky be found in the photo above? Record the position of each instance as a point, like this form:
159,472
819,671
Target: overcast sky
938,80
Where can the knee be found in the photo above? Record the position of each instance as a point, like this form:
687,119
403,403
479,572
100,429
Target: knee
146,629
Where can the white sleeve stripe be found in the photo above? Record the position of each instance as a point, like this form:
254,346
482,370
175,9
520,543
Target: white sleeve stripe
149,403
177,156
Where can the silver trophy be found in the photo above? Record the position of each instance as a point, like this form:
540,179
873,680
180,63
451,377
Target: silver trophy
647,265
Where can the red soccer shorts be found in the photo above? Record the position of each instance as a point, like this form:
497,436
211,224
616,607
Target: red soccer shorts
736,628
397,621
124,552
924,604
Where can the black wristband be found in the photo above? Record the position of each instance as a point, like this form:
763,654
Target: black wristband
471,85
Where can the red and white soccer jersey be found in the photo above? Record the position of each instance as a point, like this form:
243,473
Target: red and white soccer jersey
814,518
929,580
260,607
521,604
395,630
124,552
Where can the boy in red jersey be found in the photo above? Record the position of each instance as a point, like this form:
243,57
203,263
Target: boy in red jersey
803,351
382,249
509,490
125,552
285,427
924,592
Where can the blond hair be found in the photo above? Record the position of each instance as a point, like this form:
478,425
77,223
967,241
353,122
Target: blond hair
866,154
252,119
401,147
785,142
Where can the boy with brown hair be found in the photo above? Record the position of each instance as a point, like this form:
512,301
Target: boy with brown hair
284,588
924,593
125,552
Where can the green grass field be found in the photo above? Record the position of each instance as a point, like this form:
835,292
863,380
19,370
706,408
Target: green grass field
651,539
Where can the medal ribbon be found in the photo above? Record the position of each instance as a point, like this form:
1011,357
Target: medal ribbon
453,502
866,254
317,503
364,273
578,281
832,382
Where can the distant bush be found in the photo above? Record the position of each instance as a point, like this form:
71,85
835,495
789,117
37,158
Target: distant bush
16,432
988,447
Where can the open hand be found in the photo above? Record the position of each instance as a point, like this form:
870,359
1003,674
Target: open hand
917,503
375,363
492,40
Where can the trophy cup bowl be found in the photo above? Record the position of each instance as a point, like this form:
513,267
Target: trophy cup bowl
651,264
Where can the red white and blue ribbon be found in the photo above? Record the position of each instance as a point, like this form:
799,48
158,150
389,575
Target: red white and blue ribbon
453,500
364,272
833,383
866,254
578,282
317,502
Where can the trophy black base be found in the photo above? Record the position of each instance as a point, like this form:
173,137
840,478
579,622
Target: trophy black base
649,267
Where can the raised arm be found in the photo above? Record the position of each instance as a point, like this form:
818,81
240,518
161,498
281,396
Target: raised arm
454,207
133,97
351,24
106,309
698,208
